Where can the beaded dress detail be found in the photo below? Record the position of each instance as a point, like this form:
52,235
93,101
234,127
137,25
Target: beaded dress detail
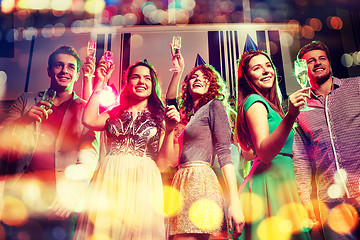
126,194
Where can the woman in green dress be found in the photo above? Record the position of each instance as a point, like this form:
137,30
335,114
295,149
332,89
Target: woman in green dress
269,196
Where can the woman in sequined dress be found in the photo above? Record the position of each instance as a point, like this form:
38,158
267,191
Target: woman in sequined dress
126,194
201,205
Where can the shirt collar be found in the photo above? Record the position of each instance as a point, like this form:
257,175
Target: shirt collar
336,83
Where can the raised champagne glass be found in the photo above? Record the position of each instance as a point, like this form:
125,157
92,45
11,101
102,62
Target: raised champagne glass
91,51
301,75
176,45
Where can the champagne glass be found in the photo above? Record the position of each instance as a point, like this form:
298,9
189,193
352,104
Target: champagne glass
91,50
49,97
301,75
176,45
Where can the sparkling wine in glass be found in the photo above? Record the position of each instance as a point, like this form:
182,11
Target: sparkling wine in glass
91,48
176,45
91,51
301,75
49,97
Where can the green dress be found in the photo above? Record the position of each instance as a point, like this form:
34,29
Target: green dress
269,195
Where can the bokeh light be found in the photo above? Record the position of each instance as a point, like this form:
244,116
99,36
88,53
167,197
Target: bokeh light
131,19
47,31
335,191
94,6
343,218
7,6
307,32
286,39
11,35
59,233
14,211
107,97
253,207
273,48
33,4
78,172
315,24
296,213
61,5
59,29
340,175
347,60
206,214
334,22
356,58
118,20
274,228
147,8
29,33
32,190
173,201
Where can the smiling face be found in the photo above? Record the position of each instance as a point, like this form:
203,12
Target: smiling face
318,66
261,73
198,84
63,72
140,83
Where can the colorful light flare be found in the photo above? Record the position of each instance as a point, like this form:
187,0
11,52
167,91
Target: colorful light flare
172,200
7,6
14,211
253,207
206,214
107,97
274,228
343,218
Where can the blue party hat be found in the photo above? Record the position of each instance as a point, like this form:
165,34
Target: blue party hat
250,44
199,61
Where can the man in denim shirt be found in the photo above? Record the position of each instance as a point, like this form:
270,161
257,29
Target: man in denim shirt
327,146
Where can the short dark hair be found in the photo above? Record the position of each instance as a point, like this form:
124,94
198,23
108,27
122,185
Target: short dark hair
314,45
65,49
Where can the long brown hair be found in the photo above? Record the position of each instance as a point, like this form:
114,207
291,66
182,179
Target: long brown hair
155,105
246,88
217,89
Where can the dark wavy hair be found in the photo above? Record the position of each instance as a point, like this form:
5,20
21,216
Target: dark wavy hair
217,89
155,105
246,88
65,49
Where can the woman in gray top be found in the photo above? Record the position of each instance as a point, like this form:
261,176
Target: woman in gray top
196,193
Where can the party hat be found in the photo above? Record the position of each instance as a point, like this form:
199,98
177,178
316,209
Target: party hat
199,61
250,44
